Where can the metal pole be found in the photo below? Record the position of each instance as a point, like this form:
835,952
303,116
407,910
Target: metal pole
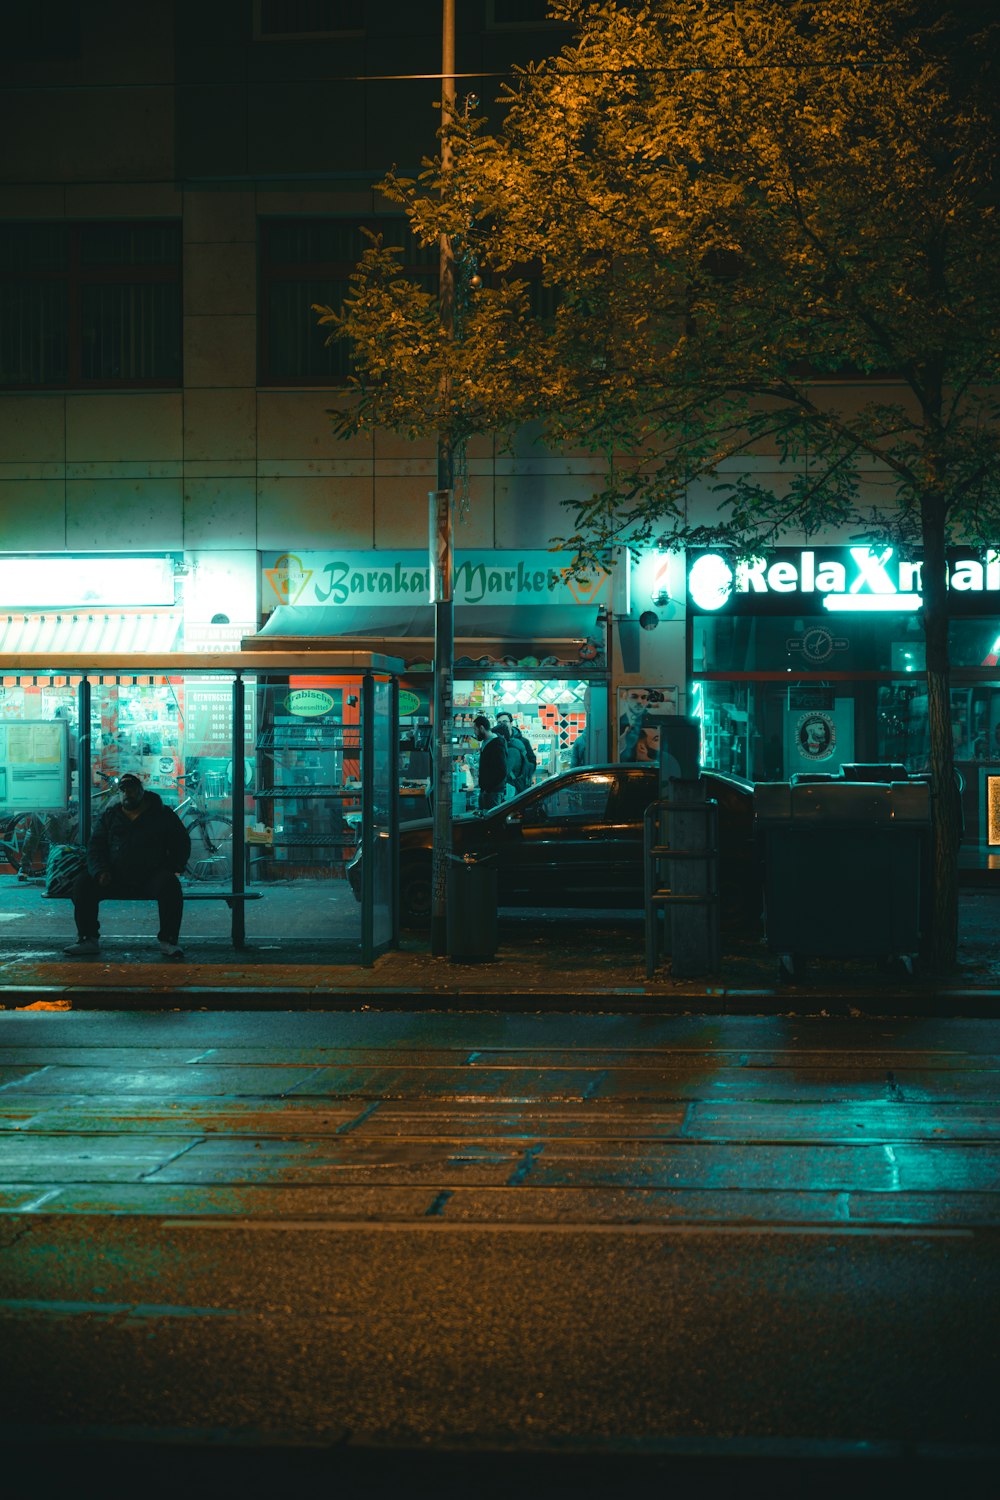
444,650
441,543
83,754
239,928
367,821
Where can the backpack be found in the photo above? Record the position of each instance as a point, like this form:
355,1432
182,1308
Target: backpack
517,763
63,865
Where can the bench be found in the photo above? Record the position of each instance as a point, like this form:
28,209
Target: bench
234,900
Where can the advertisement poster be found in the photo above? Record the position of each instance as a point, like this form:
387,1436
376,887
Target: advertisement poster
819,739
34,769
641,711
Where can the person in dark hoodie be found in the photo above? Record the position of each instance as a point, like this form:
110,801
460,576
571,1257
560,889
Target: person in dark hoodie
137,849
492,764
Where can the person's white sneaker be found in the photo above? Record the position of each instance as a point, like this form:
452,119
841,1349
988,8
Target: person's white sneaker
83,948
171,950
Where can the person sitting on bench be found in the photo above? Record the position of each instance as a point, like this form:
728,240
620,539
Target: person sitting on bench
137,850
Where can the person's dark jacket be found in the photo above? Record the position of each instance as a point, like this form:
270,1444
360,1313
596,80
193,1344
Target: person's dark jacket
517,763
493,765
132,850
528,750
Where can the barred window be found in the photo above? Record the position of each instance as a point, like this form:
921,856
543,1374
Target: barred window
284,20
306,261
502,15
90,305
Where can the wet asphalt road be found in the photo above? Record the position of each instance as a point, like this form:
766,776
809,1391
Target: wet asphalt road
417,1335
362,1234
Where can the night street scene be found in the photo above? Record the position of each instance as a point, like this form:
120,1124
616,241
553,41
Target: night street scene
499,747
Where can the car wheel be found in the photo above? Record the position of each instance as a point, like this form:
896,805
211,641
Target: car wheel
415,896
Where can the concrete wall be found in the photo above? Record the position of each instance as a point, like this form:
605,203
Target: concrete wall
173,111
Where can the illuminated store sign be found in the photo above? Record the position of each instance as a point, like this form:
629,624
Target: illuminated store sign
381,578
86,581
841,580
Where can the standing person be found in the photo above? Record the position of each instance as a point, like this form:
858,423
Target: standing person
492,764
527,750
517,765
137,849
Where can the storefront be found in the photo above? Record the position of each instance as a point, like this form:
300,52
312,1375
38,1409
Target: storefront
528,641
814,657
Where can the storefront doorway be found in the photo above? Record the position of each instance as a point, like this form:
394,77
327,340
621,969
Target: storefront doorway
783,684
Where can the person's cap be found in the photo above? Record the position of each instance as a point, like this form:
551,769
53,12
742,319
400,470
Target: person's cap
130,776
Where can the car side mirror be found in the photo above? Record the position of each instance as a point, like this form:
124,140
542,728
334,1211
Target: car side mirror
513,820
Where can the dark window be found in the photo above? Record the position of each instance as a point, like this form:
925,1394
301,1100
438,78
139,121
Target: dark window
91,305
636,790
41,29
584,797
501,14
278,20
307,261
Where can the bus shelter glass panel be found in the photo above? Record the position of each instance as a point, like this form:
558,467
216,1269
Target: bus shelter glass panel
176,735
305,827
39,781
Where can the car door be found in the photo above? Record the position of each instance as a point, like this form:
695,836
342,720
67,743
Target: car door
636,786
558,857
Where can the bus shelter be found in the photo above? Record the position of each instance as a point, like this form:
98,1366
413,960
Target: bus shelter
283,767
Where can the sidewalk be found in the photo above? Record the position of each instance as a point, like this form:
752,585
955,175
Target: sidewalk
574,961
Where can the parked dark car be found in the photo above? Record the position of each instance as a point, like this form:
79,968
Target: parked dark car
576,840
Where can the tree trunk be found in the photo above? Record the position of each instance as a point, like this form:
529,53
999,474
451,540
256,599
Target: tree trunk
941,944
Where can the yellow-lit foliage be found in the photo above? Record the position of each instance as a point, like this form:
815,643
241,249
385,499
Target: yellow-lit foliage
737,205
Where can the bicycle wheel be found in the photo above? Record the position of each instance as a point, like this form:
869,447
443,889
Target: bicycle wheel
211,848
28,838
10,855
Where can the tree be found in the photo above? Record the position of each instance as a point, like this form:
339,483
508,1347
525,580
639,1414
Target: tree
734,204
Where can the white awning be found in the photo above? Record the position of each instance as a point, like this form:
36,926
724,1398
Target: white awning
502,634
525,623
85,632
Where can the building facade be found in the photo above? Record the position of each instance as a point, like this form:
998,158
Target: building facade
182,182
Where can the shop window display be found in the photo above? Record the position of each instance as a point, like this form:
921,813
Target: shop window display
552,716
308,789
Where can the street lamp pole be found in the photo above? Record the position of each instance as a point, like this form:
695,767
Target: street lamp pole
441,541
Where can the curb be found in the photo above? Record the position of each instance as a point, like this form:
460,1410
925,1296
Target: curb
937,1004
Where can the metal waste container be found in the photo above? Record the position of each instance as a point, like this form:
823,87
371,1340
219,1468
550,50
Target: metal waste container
472,908
843,866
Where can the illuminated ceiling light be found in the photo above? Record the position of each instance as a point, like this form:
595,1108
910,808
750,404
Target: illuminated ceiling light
849,604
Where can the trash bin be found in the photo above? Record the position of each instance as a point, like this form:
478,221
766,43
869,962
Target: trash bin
472,908
843,868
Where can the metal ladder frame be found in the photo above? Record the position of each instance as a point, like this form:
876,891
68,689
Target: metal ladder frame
656,898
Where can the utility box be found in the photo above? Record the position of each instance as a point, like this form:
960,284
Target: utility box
843,867
472,909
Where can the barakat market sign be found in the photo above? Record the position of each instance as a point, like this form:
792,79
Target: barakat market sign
377,578
840,580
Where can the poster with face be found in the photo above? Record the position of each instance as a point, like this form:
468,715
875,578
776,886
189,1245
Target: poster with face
634,702
816,736
641,711
819,739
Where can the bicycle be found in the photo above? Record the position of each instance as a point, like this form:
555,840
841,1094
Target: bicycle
211,834
27,837
23,844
